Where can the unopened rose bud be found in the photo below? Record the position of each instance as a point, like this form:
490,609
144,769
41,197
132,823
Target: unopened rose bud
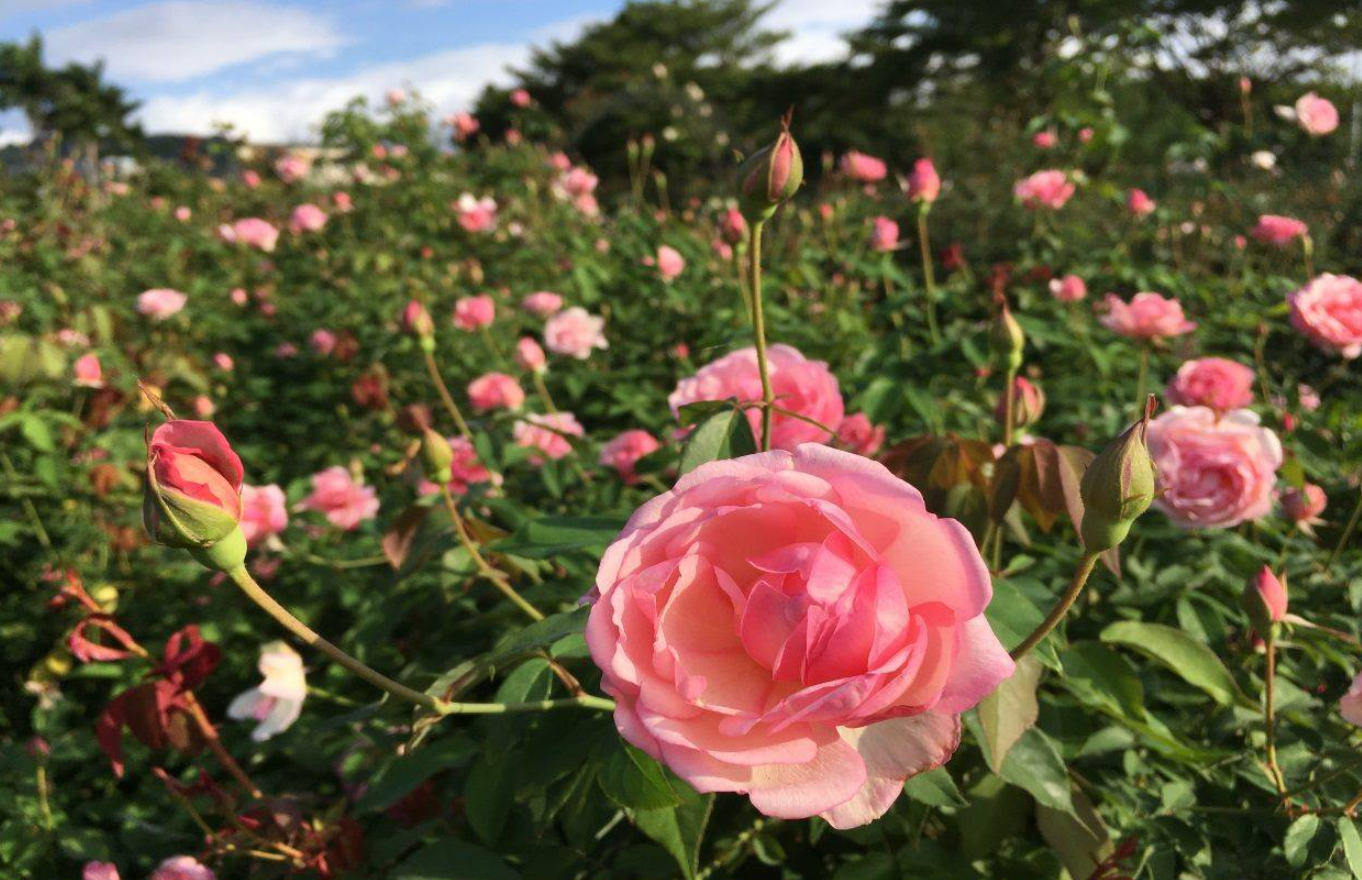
193,492
771,176
924,185
414,419
1304,505
1117,487
437,457
1028,402
733,229
1007,338
417,321
1264,599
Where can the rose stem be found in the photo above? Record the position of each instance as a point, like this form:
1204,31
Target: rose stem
928,275
1270,712
450,405
496,577
768,396
1057,613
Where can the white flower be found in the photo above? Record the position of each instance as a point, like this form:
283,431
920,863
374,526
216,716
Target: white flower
278,701
1264,159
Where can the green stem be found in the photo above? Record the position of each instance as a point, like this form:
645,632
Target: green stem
1009,408
1142,378
434,370
1270,712
1080,578
928,273
768,395
1347,532
543,389
497,577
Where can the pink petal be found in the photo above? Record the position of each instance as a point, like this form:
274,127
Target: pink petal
892,752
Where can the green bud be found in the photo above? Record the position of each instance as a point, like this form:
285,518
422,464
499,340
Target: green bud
437,457
1007,339
1117,487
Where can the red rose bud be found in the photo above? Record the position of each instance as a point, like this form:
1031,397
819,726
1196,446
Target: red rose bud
1117,487
193,492
437,457
1028,402
771,176
1265,600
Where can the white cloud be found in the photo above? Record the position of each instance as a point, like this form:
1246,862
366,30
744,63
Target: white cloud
182,39
816,27
14,7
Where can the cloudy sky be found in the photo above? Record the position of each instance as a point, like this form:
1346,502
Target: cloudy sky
272,68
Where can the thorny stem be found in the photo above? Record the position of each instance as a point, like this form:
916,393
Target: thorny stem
768,395
1080,578
497,578
434,370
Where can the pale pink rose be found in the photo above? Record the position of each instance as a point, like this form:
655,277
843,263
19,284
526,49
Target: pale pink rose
1044,189
578,182
250,178
203,406
1147,316
1308,397
1070,288
342,202
182,868
306,218
239,296
1085,135
1277,230
857,434
264,512
547,434
99,871
160,303
476,215
529,356
1218,383
285,350
72,338
1316,115
345,501
88,372
542,303
795,627
183,213
623,452
465,470
924,184
252,232
587,205
474,312
1139,203
223,361
575,333
884,235
559,161
292,168
670,263
1214,471
495,391
465,125
278,700
1272,592
322,342
520,98
396,97
1350,707
1044,140
800,385
863,168
1304,505
722,249
1328,311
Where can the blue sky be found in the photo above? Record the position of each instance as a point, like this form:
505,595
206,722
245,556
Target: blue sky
272,68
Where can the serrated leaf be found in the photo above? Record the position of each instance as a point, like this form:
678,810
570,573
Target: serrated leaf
679,830
724,435
635,781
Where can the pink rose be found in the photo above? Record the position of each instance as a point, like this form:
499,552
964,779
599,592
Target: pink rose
183,213
1218,383
1070,288
1147,316
203,406
884,236
1328,311
529,356
194,482
474,312
1272,592
863,168
1277,230
542,303
670,263
182,868
1085,135
306,218
99,871
795,627
1214,472
1044,189
223,361
733,227
547,434
1316,115
520,98
924,185
252,232
801,386
322,342
345,501
264,512
89,374
857,434
250,178
342,202
465,125
292,168
466,469
624,451
396,97
476,215
1138,203
575,333
416,320
1304,505
495,391
1044,140
160,303
578,182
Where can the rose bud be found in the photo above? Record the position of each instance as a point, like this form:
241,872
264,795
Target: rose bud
437,457
1304,505
417,321
1007,338
193,492
771,176
1028,402
414,419
1265,600
1117,487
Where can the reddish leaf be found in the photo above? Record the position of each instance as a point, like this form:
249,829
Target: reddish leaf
188,659
88,651
397,540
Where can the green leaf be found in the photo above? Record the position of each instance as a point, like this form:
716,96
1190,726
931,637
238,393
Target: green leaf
1296,845
1099,676
1196,663
1034,763
723,435
1079,839
396,780
1010,711
635,781
488,795
453,860
935,788
521,644
1352,845
1014,617
550,536
680,829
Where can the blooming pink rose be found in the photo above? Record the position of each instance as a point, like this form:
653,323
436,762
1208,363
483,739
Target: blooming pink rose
345,501
1044,140
264,512
863,168
252,232
795,627
465,125
89,374
183,213
1215,472
1304,505
575,333
1218,383
99,871
1044,189
474,312
924,184
277,701
1350,707
520,98
476,215
670,263
306,218
1277,230
1328,311
160,303
182,868
1316,115
322,342
559,161
1070,288
250,178
292,168
1085,135
495,391
577,182
223,361
342,202
1139,203
396,97
884,236
1308,397
542,303
465,469
1147,316
624,451
859,435
1272,592
203,406
547,434
529,356
801,386
285,350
